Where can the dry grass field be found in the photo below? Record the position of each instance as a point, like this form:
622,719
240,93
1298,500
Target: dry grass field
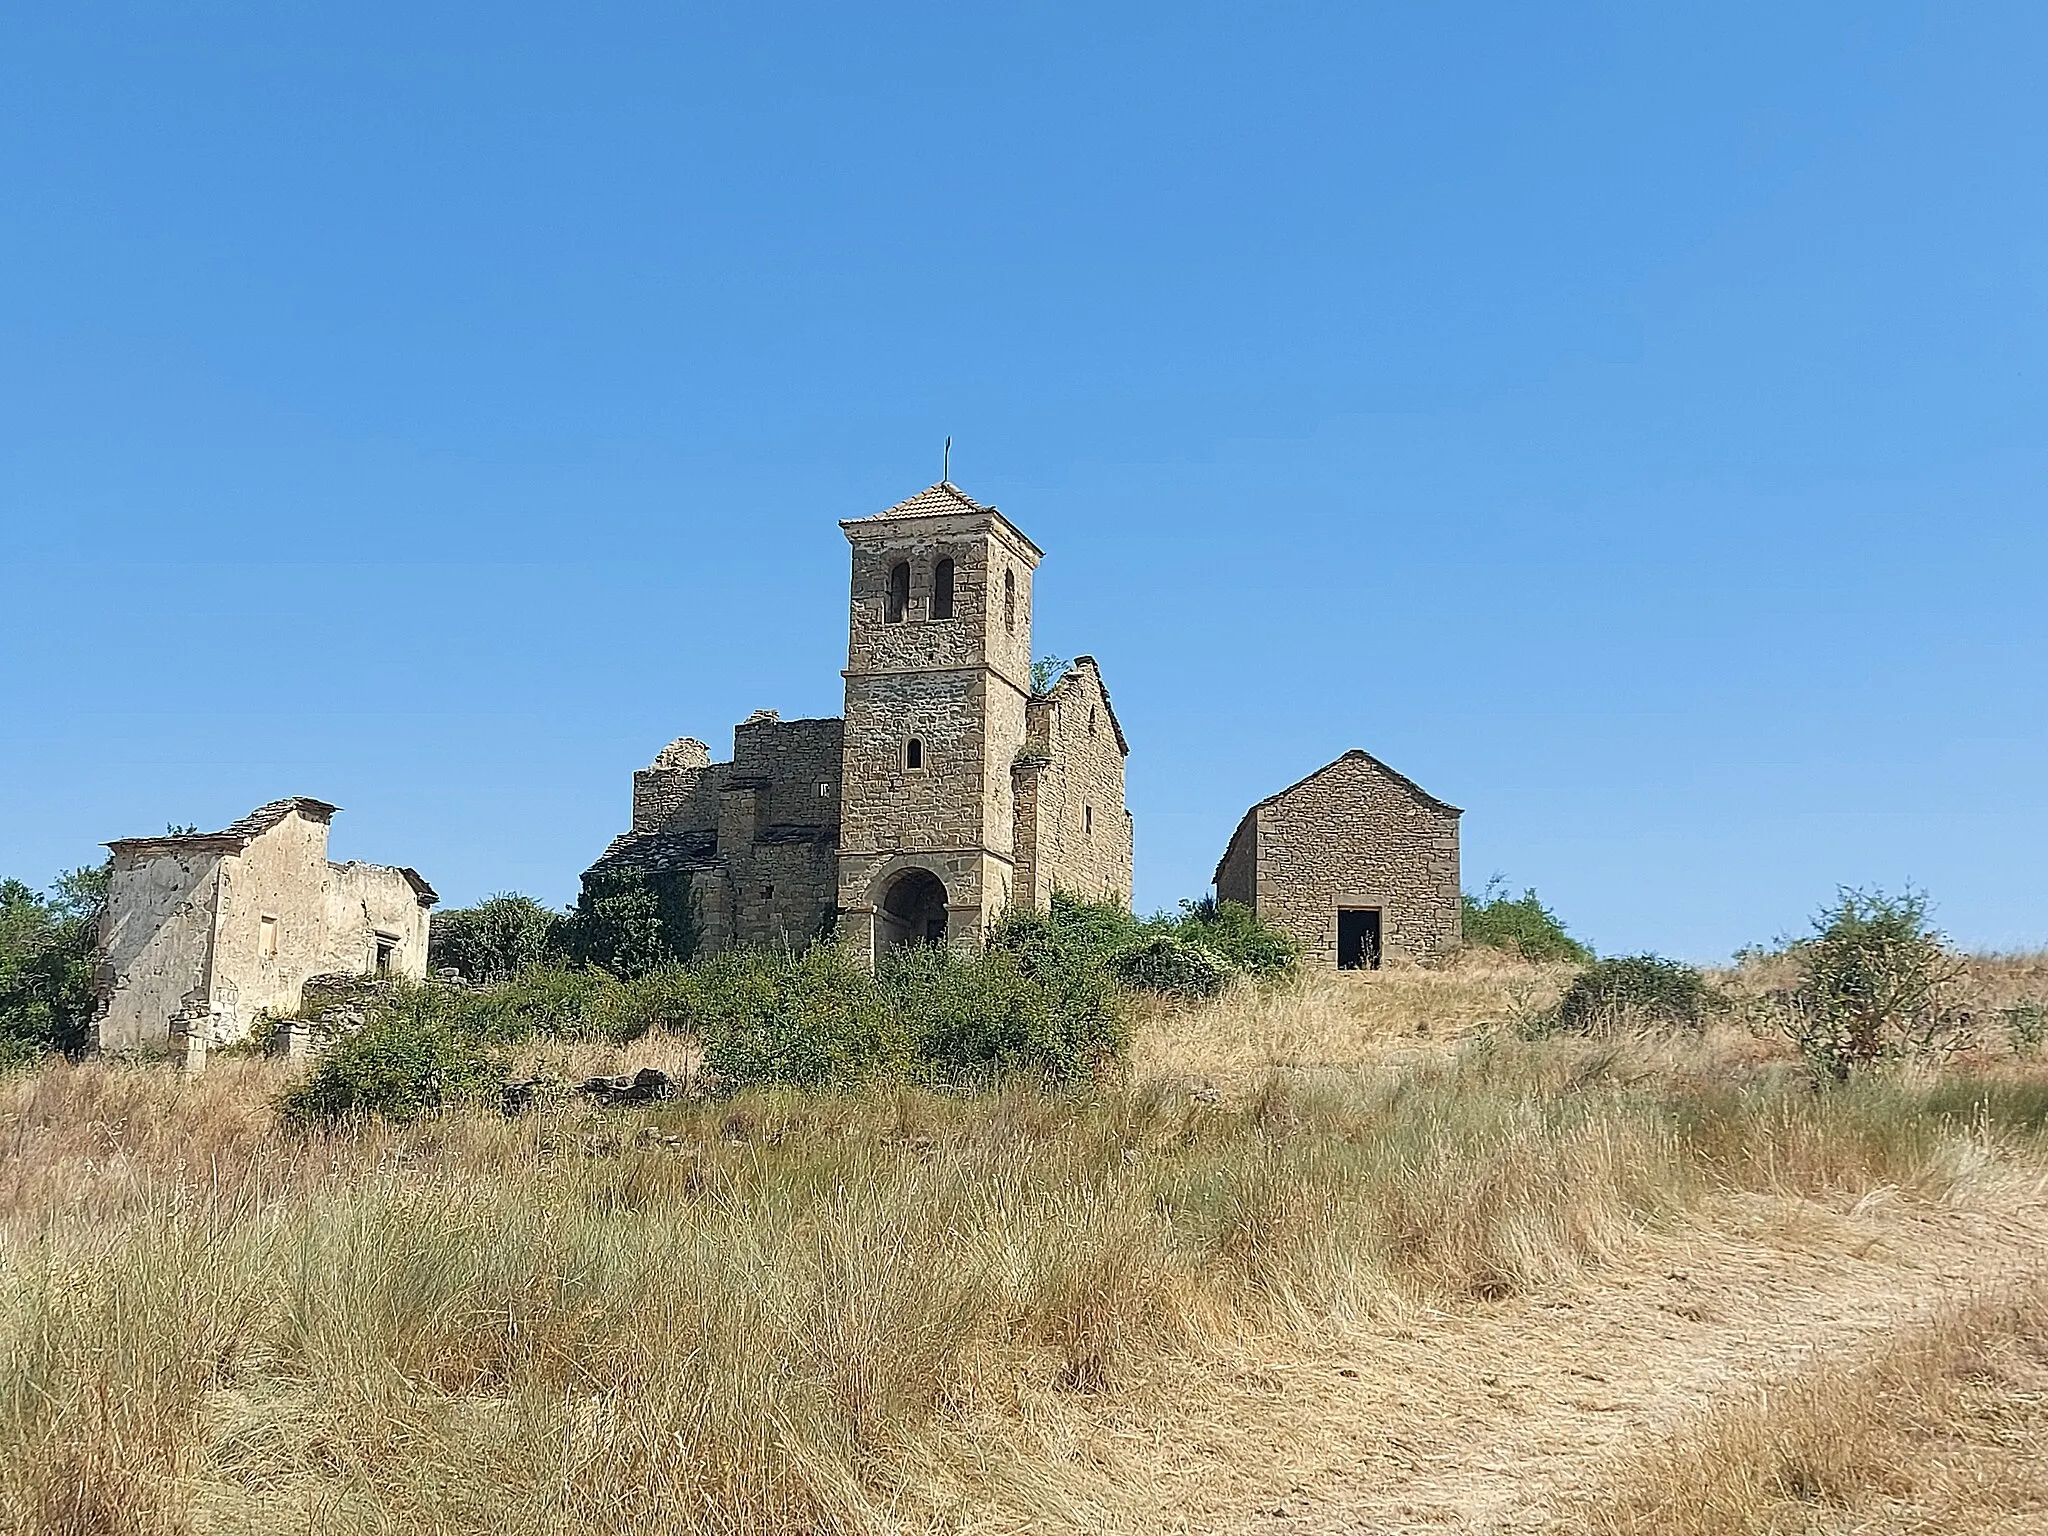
1350,1257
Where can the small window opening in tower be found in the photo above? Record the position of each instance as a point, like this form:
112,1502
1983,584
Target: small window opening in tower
913,753
898,601
1091,719
1010,601
824,789
1088,819
942,590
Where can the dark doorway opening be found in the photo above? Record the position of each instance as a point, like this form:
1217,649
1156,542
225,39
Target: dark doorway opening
1358,938
387,953
912,912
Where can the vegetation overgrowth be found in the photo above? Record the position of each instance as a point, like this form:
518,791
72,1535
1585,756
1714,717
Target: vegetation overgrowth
872,1308
1519,925
1050,999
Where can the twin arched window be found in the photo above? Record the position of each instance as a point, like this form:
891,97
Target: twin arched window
896,605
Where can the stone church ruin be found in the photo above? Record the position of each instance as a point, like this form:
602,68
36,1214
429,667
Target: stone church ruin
949,789
204,931
1355,862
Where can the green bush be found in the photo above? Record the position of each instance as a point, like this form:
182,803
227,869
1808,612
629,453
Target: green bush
808,1020
1518,926
970,1020
1168,964
1634,989
1245,943
630,922
496,939
46,965
1874,983
415,1054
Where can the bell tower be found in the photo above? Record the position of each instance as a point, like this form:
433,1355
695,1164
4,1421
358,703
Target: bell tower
938,674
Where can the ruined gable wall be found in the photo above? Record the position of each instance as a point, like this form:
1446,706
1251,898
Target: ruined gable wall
281,874
363,901
155,941
1073,777
1237,875
1355,835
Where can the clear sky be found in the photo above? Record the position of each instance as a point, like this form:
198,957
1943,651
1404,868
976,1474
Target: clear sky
1626,420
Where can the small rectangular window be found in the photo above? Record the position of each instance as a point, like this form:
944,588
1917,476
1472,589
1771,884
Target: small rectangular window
1088,819
266,937
824,789
387,954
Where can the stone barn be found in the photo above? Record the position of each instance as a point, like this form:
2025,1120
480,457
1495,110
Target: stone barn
206,930
955,785
1355,862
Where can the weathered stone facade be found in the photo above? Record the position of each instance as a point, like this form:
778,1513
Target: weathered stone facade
1354,862
945,793
204,931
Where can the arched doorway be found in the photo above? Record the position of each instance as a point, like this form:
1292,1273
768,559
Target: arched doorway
912,911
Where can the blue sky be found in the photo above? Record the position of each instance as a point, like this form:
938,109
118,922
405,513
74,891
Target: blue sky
1625,420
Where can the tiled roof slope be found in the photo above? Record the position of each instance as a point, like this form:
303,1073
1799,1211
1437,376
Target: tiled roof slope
237,835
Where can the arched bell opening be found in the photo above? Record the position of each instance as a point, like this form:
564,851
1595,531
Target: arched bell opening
912,911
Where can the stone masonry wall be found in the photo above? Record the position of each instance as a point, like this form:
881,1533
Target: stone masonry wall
1357,834
155,941
1074,833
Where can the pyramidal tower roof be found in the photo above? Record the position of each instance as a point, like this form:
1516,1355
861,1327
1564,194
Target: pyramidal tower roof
944,499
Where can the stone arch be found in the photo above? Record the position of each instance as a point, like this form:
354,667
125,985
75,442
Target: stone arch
911,910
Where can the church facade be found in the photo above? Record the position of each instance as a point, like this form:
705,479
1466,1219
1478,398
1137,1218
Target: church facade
950,789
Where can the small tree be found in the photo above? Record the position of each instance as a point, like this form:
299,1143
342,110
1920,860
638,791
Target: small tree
1519,925
494,940
631,922
47,949
1046,671
1874,982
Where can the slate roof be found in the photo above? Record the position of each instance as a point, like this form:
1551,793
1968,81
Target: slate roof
236,835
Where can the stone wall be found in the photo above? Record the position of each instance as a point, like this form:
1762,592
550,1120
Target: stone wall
155,941
1356,834
1074,833
205,932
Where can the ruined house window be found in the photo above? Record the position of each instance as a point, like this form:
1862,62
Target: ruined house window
942,590
266,937
387,953
1010,601
898,602
913,753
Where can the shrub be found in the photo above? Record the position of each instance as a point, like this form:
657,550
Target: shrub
1519,926
2028,1023
1238,936
1167,963
1640,989
631,922
494,940
973,1020
47,946
413,1056
809,1020
1874,980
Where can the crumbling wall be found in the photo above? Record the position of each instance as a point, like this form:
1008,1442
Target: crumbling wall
1074,833
272,932
156,941
371,908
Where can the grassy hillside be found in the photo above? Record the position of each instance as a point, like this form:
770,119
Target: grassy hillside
1274,1270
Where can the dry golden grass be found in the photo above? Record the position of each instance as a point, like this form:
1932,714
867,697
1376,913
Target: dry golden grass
1943,1429
1313,1256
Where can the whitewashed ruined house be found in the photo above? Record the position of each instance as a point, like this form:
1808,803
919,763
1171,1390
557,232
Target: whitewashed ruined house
205,931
